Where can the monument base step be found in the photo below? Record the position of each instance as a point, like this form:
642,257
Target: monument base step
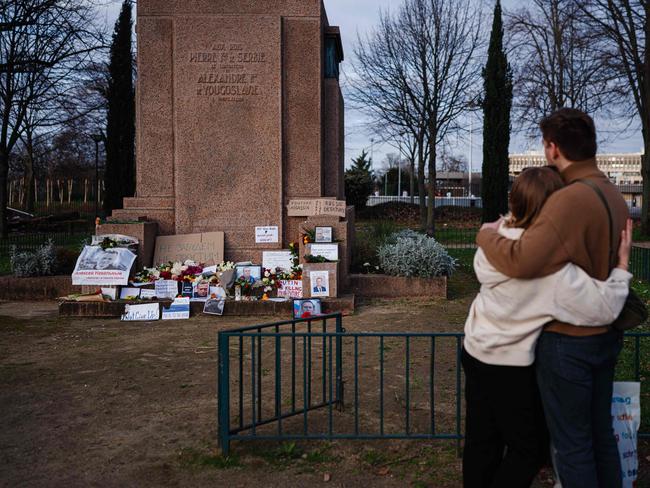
149,202
344,304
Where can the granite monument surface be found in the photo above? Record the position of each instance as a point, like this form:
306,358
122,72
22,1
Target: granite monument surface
239,112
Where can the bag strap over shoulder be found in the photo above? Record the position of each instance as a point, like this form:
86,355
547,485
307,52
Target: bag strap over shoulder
601,195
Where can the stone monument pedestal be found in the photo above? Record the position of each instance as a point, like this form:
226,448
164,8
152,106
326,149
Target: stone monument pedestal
239,112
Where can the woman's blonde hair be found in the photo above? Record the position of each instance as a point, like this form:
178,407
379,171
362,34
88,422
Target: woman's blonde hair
529,192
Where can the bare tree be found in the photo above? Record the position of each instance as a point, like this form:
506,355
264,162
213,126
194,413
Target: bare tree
43,45
418,72
625,26
384,87
453,163
554,61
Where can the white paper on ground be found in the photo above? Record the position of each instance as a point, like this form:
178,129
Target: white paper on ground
145,311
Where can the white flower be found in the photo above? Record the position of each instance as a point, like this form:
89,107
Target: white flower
267,274
184,267
176,269
189,262
267,289
156,274
366,264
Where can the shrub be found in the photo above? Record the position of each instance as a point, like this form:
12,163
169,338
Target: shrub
40,262
368,239
409,253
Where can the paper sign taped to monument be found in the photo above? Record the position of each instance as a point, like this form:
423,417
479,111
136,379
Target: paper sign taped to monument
266,234
277,259
206,248
309,208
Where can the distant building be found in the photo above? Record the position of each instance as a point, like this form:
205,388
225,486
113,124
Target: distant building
623,170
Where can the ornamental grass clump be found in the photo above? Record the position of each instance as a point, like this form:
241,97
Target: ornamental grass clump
41,262
409,253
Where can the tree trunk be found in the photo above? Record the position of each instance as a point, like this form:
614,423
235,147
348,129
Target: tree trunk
4,172
645,176
412,178
421,189
431,190
29,172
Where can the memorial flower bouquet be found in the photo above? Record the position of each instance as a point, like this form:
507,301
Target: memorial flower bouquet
248,289
179,271
270,281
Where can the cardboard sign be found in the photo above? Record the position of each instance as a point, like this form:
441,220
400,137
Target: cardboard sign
290,288
277,259
266,235
147,311
328,251
178,310
309,208
206,248
166,288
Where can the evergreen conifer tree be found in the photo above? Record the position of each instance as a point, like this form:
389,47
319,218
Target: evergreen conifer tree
120,127
358,181
497,102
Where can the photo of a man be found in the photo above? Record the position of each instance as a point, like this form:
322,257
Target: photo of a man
304,309
319,286
109,259
94,262
319,283
250,274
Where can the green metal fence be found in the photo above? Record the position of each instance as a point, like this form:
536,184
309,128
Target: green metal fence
302,379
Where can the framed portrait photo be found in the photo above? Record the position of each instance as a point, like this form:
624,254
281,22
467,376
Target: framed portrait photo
323,234
304,308
319,283
249,273
214,306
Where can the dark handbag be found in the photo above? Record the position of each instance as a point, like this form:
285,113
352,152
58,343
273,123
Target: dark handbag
635,311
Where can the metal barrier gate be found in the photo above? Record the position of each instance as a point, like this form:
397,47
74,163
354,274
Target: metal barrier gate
288,380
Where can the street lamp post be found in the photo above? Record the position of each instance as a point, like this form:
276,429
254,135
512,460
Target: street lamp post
97,138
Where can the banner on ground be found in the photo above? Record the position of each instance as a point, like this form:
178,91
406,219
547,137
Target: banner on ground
103,267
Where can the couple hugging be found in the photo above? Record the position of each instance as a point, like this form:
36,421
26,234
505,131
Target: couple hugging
539,352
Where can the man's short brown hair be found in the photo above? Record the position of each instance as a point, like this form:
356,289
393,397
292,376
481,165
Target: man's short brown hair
573,132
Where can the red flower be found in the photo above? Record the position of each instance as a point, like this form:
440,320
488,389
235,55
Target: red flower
166,275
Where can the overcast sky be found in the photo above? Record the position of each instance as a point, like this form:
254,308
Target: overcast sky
361,16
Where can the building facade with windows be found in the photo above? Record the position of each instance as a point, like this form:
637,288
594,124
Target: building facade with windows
624,170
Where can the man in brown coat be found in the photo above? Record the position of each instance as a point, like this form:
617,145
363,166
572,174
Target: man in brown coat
575,365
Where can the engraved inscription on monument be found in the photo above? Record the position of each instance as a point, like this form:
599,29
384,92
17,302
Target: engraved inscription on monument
229,71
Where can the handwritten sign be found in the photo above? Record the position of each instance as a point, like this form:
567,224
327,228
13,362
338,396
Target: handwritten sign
290,288
266,234
147,311
309,208
626,415
277,259
328,251
206,248
166,288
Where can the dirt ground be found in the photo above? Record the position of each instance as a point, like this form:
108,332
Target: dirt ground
91,402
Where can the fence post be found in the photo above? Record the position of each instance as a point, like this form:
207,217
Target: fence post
223,387
339,361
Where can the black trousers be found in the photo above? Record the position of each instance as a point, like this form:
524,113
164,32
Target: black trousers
506,440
